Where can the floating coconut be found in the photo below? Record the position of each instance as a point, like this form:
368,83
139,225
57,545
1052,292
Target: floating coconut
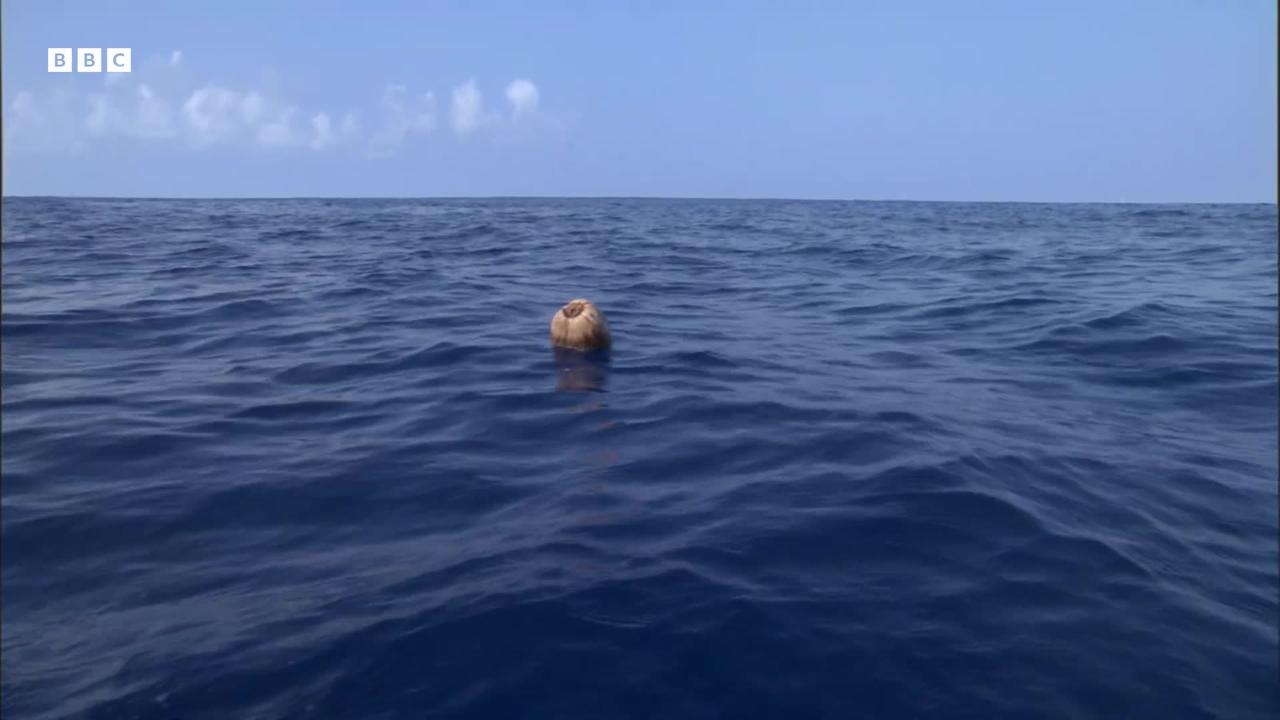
580,325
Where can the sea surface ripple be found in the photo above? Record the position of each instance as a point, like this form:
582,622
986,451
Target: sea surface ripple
315,458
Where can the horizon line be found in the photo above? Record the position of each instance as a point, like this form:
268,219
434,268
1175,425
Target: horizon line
637,197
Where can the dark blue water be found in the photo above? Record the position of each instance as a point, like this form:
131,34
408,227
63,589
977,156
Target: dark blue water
315,459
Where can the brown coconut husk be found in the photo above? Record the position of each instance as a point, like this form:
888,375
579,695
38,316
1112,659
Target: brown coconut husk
580,325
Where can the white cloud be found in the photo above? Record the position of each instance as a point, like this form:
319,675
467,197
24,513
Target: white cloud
167,107
279,132
401,116
211,114
20,114
103,116
154,118
252,108
350,123
144,116
467,112
215,114
523,96
23,103
324,135
45,125
322,132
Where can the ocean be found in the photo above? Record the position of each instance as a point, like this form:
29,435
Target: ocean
316,459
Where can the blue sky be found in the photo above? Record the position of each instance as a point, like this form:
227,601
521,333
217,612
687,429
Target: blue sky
1169,101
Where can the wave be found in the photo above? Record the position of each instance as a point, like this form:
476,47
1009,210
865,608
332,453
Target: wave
315,458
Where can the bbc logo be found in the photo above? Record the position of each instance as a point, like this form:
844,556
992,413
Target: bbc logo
118,60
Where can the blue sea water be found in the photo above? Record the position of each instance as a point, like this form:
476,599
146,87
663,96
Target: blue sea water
315,459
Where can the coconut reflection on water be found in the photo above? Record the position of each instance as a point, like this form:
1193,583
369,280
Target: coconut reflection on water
581,371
